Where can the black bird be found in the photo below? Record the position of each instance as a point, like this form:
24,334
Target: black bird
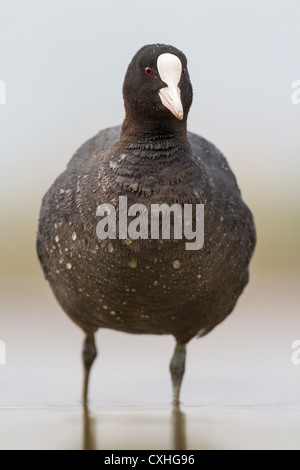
144,285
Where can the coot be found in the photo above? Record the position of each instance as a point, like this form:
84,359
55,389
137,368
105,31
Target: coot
106,274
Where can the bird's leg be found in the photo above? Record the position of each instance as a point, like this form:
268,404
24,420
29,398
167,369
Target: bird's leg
89,354
177,368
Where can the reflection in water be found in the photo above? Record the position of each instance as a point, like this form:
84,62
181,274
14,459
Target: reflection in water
89,430
178,430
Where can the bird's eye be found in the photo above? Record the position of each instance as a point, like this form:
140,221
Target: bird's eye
183,72
148,71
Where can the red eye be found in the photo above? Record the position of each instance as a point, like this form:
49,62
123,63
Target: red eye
148,71
183,72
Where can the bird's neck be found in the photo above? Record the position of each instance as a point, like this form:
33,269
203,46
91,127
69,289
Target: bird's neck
152,138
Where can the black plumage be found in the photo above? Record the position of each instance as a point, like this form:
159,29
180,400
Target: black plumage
146,286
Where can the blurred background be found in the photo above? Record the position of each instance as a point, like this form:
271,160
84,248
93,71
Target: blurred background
63,63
